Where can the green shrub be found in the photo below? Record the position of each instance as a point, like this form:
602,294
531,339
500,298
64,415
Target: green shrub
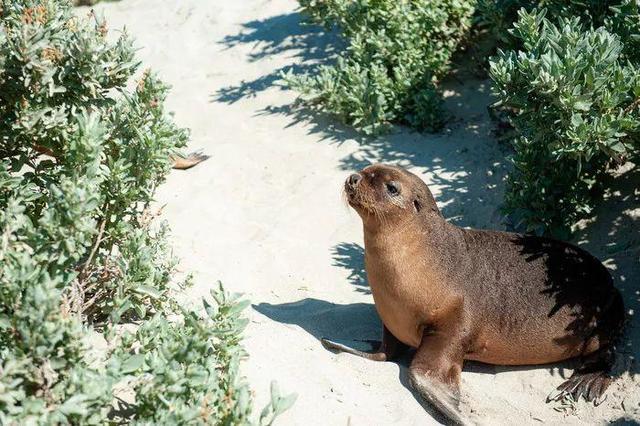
621,17
499,15
396,52
80,158
54,69
577,112
187,372
45,373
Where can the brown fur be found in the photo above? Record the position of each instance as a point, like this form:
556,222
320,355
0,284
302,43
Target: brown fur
495,297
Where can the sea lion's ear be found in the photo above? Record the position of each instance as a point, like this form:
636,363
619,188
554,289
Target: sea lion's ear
417,205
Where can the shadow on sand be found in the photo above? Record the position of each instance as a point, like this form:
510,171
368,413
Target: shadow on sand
625,421
350,256
287,34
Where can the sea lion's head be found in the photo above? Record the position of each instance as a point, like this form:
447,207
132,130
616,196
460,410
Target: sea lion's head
384,194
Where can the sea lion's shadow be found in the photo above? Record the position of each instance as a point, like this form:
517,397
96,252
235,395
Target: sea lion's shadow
625,421
344,323
359,321
325,319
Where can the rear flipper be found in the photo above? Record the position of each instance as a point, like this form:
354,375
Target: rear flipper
386,350
374,352
590,381
590,386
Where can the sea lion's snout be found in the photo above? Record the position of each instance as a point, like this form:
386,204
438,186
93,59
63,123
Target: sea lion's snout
353,180
351,185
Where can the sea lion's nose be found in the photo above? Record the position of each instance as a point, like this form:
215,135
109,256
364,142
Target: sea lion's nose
354,180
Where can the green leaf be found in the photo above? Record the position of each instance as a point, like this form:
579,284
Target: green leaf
148,291
285,403
275,393
618,147
74,406
582,105
239,307
132,363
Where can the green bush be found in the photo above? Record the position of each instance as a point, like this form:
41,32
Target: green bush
187,371
499,15
621,17
396,52
55,68
576,103
80,158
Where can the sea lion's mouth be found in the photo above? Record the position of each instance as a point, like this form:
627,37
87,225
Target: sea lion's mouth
351,193
355,194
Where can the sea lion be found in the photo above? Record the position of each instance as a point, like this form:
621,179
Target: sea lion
494,297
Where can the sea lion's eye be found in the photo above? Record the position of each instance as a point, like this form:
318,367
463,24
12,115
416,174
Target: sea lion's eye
392,188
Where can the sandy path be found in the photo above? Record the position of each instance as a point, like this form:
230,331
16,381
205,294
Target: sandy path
264,214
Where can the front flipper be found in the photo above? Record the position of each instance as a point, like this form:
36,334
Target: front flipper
435,374
386,350
438,395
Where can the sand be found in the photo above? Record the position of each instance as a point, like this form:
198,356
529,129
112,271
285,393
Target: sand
264,215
